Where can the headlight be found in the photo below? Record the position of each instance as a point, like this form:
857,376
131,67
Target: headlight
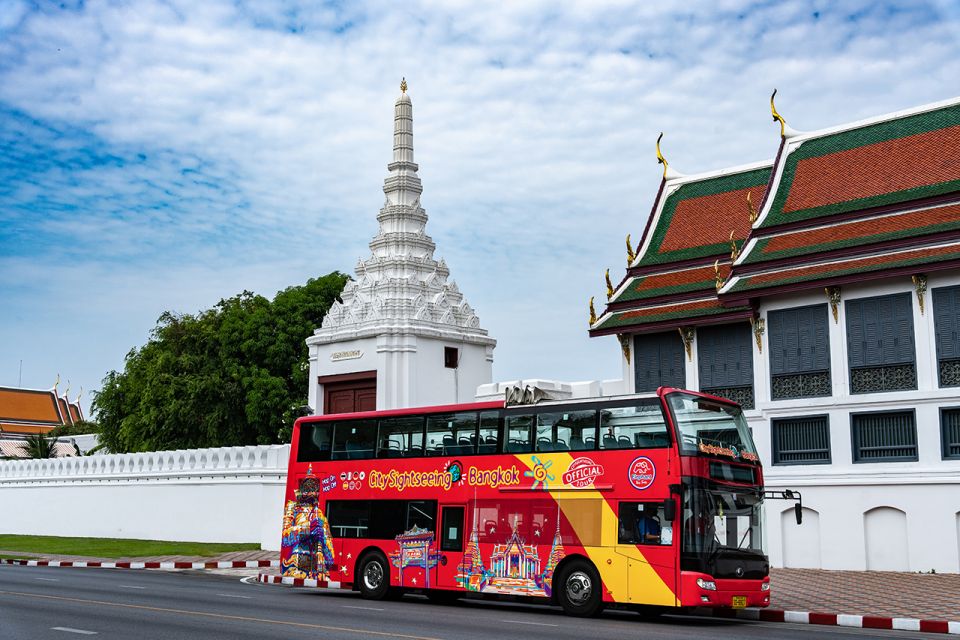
765,586
708,585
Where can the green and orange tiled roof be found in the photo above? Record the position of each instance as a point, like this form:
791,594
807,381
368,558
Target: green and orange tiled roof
848,234
885,163
695,221
814,274
680,281
679,311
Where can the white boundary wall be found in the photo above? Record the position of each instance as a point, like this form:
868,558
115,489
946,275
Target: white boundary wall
229,494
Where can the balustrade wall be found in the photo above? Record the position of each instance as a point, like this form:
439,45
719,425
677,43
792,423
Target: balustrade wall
228,494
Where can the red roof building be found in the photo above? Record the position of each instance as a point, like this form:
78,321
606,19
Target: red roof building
29,411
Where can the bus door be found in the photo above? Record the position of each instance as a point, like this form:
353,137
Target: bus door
450,545
645,537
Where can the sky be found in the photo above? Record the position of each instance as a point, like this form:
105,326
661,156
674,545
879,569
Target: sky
161,156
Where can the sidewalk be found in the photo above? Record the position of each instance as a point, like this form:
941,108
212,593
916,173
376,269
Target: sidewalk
235,556
874,593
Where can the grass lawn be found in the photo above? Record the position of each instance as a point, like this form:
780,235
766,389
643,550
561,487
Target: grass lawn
117,548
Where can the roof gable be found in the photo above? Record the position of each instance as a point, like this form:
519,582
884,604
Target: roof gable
696,219
888,162
29,405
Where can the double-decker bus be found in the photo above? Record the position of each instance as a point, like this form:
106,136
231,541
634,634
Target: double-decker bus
647,501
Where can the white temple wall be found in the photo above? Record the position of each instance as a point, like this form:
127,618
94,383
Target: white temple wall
323,363
228,494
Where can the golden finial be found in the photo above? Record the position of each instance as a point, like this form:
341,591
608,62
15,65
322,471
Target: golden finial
57,383
716,273
777,117
593,314
660,158
403,85
734,250
630,254
606,277
750,209
66,394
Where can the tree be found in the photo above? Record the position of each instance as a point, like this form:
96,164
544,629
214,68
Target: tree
78,428
235,374
38,445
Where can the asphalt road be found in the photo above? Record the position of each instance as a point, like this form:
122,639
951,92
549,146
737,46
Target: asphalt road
64,603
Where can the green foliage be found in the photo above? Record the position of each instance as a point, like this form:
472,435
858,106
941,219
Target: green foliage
117,548
39,445
235,374
78,428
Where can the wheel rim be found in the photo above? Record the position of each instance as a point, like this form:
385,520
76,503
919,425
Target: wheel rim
373,575
578,588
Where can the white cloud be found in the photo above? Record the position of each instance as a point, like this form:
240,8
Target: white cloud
534,127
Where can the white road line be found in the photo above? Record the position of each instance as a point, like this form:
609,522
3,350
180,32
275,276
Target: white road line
539,624
130,586
347,606
48,579
82,632
231,595
248,579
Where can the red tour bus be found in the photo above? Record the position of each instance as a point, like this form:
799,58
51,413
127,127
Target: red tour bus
646,501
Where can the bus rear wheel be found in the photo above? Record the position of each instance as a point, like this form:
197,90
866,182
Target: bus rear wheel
580,590
374,577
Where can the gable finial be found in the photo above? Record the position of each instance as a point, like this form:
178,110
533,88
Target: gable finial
606,276
403,85
660,158
631,255
750,209
716,273
593,313
776,116
734,249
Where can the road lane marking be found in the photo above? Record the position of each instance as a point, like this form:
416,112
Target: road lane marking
82,632
347,606
48,579
247,579
130,586
218,616
539,624
231,595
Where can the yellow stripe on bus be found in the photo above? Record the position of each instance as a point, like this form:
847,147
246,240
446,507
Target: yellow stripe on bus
627,580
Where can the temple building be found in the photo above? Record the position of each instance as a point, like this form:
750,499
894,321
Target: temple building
821,291
403,334
25,412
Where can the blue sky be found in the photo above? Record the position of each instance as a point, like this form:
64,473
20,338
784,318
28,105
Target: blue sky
162,155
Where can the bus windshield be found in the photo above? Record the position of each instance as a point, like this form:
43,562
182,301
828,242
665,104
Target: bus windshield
709,427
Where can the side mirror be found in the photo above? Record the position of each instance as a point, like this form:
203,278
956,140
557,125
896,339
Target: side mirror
798,511
670,510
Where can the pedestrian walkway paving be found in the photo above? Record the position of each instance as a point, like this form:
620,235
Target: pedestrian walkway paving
875,593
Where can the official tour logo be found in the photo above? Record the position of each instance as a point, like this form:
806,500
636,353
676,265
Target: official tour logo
582,473
642,473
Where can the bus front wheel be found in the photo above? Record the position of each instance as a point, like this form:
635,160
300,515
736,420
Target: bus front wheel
580,590
374,577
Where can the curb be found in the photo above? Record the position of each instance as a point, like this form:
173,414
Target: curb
299,582
235,564
760,615
838,620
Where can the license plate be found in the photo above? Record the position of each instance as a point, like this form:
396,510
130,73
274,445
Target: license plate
739,602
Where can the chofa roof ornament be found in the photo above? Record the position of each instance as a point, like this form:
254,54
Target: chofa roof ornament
668,173
786,132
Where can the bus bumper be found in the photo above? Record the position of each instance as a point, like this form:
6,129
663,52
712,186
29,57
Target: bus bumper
696,591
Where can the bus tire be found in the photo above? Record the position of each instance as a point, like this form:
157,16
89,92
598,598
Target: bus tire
580,589
374,576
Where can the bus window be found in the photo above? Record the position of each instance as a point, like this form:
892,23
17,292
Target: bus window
400,437
348,518
643,523
638,426
500,518
354,439
566,431
421,514
519,437
489,430
451,434
314,442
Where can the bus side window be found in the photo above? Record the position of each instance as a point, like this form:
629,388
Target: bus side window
314,442
451,434
566,431
519,437
400,437
638,426
422,514
489,431
354,439
643,523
